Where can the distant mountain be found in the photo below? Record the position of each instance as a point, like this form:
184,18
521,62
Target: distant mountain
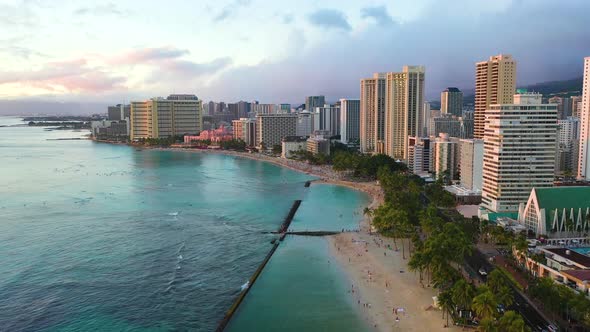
34,107
566,88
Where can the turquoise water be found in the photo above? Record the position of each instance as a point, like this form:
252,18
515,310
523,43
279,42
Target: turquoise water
106,237
324,209
299,270
582,250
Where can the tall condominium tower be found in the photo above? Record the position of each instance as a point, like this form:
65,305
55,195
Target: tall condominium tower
584,155
568,140
312,102
519,151
372,114
471,163
495,83
160,118
327,118
404,102
350,124
451,101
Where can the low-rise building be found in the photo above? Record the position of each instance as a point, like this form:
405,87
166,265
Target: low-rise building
419,155
557,211
220,134
292,144
106,129
563,265
318,143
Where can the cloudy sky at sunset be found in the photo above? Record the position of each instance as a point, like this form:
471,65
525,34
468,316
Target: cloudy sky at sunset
273,51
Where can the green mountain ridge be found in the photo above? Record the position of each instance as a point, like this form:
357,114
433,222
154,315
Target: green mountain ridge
563,88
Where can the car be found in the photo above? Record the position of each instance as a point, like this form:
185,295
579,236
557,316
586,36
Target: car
552,328
501,308
483,271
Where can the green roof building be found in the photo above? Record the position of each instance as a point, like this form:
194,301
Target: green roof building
557,211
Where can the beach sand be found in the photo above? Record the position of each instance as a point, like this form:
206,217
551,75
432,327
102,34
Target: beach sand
380,277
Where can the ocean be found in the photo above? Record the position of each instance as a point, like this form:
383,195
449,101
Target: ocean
100,237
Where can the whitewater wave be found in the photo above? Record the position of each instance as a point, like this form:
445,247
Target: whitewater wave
245,286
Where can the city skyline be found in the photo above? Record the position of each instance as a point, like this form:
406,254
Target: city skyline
102,58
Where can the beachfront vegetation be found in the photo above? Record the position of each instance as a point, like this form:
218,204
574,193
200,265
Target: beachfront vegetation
363,165
162,142
562,301
437,250
234,144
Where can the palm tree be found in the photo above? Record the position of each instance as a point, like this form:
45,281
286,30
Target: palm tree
416,263
487,325
463,294
512,322
402,227
485,305
445,301
504,295
496,280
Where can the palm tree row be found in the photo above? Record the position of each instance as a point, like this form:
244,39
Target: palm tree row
439,250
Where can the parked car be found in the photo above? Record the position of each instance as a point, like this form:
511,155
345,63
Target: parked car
483,271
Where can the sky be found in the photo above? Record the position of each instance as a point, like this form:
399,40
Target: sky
88,54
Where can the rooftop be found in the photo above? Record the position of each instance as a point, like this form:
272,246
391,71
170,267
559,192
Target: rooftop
578,275
571,255
552,198
294,139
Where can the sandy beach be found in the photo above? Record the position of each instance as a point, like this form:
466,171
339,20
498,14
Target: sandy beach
389,296
381,281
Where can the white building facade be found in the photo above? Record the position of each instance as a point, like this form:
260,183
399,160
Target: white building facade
584,151
519,151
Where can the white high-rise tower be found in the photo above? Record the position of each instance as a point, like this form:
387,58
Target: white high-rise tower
584,155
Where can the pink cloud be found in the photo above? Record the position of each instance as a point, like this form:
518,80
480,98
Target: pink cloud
147,55
72,75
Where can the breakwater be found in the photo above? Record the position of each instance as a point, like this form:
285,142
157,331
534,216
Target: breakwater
282,231
289,218
232,310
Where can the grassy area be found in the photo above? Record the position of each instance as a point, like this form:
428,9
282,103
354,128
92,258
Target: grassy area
509,276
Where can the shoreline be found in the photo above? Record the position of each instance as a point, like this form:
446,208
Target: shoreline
381,280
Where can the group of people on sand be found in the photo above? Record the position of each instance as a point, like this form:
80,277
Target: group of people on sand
396,311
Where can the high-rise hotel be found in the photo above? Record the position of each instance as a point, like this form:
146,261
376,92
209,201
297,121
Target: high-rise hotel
584,154
372,117
391,111
349,120
161,118
495,83
404,102
519,151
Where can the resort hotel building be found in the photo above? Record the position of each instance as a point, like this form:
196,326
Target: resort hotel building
160,118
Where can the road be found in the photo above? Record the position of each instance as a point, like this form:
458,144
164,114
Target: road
530,314
532,317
